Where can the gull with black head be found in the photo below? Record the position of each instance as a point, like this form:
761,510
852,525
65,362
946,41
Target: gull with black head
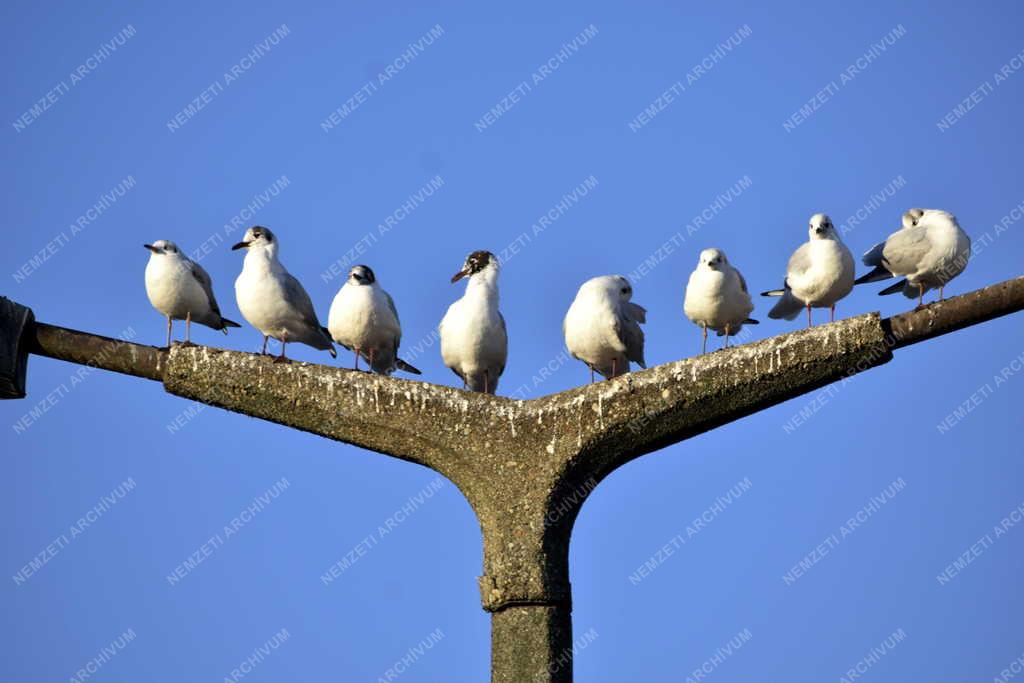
363,319
272,300
179,288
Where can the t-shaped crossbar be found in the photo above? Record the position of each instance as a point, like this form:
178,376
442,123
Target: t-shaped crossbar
526,467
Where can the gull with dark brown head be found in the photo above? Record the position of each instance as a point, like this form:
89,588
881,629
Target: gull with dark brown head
474,340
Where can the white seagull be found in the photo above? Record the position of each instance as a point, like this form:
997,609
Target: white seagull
717,297
272,300
602,326
820,273
474,341
363,319
930,250
179,288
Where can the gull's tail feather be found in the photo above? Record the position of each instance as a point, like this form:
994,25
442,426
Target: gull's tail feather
788,308
898,287
879,273
225,324
329,343
873,256
747,321
402,365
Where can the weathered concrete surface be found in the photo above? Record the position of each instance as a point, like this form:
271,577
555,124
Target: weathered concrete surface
532,645
527,467
95,351
956,313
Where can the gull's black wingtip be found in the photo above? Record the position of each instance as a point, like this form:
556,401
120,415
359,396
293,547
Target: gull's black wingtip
893,289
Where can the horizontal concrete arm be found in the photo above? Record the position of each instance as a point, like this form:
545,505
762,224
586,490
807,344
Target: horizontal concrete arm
616,421
101,352
429,424
956,313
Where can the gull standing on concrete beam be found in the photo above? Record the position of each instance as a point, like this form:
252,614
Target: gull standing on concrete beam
272,300
474,341
820,273
602,326
930,250
179,288
363,319
717,297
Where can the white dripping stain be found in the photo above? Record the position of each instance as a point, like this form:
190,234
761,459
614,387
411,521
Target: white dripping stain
376,396
579,423
512,422
551,446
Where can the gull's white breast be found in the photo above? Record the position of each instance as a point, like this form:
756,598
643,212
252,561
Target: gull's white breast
716,299
829,277
173,289
360,317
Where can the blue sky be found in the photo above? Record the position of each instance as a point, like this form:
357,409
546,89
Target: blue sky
915,105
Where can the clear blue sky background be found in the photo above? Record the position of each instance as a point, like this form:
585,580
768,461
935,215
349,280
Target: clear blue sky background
498,182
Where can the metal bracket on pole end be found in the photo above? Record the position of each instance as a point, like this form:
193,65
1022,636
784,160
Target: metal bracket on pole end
16,321
494,598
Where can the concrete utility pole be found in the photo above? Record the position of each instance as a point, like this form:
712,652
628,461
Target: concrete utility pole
526,467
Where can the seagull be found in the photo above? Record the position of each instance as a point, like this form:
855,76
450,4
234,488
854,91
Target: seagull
272,300
179,288
820,273
602,326
363,319
474,341
930,250
717,297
